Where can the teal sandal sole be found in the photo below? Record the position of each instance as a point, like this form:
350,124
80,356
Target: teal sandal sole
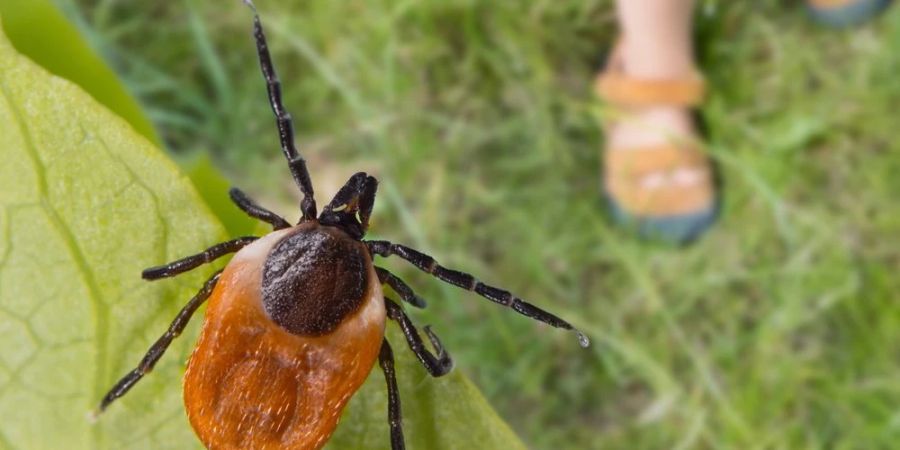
849,15
675,229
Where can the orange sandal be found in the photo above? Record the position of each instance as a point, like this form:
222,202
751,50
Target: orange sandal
665,191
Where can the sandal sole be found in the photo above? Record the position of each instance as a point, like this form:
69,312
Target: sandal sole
848,15
676,229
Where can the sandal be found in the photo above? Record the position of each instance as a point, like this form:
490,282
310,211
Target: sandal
665,191
843,13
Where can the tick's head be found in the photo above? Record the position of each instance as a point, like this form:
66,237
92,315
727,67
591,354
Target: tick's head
351,207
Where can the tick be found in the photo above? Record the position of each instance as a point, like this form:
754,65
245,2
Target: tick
296,319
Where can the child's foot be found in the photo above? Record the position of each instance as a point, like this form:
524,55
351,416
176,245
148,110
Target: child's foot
656,178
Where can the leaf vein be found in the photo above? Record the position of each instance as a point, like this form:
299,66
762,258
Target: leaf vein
78,256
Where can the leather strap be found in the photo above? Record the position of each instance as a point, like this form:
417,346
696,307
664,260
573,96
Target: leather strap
617,88
622,90
628,170
635,163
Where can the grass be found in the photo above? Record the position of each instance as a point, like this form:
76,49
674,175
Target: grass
779,329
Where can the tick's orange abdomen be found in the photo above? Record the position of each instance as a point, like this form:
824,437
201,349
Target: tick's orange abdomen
251,384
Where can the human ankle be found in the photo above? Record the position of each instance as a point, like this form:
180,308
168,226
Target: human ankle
658,59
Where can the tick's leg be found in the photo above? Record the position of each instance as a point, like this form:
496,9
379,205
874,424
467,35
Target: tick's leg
296,163
436,366
192,262
469,282
386,360
254,210
159,347
401,288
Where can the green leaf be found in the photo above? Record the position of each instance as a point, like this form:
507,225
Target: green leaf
439,413
213,188
85,204
38,30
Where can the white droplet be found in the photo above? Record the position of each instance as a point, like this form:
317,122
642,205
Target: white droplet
583,340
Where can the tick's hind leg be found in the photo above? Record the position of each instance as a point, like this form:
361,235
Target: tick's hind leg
159,347
256,211
468,282
395,420
438,365
400,287
194,261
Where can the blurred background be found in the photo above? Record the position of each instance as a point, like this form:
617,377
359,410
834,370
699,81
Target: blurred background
778,329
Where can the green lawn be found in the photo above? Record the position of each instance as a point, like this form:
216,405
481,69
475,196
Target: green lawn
779,329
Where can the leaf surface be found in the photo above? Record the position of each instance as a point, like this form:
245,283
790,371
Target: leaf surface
439,413
86,203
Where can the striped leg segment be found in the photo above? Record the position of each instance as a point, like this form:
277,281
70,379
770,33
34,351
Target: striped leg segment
395,421
160,346
466,281
438,365
194,261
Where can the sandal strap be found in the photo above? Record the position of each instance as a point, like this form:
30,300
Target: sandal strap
622,90
636,163
617,88
626,169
